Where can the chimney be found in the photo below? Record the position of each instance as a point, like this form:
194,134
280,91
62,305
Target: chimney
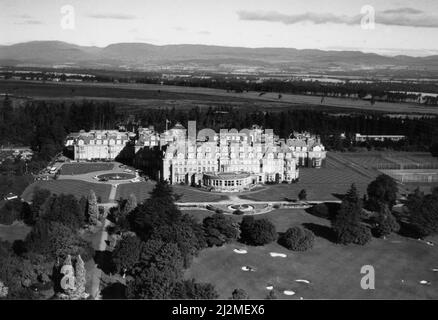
191,131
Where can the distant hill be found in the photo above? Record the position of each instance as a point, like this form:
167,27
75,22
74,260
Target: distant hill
137,55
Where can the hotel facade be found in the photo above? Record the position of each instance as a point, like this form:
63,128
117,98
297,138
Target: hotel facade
228,160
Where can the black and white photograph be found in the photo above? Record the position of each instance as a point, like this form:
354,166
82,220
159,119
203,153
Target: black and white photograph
218,155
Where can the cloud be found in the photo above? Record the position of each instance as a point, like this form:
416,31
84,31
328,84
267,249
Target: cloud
409,17
205,33
403,11
27,19
179,28
114,16
30,22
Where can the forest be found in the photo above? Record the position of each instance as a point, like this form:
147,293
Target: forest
44,125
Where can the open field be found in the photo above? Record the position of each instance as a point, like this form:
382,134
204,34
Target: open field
87,167
76,187
16,231
149,92
333,270
321,184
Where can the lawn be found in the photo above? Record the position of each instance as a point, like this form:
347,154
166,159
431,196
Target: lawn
141,190
321,184
81,168
332,269
16,231
76,187
188,194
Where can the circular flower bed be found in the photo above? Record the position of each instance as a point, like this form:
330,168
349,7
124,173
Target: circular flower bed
116,176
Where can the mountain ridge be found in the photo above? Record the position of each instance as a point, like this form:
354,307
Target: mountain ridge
138,54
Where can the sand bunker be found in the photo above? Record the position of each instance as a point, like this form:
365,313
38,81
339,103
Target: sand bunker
429,243
248,268
240,251
270,287
424,282
288,292
435,270
303,281
275,254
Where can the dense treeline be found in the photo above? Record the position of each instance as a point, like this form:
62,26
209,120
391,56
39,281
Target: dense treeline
44,125
420,132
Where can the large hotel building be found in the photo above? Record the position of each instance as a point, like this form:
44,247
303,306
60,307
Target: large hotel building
228,160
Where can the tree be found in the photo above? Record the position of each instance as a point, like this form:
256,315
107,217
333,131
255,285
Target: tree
385,222
64,209
239,294
39,197
219,229
54,240
382,190
190,289
297,239
3,290
127,253
186,234
80,277
423,212
347,224
257,232
93,209
158,271
302,195
158,210
130,205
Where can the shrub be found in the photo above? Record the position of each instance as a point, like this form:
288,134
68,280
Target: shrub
302,195
219,229
385,223
238,212
257,232
239,294
297,239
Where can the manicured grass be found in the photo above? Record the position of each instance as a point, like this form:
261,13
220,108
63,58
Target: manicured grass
16,231
321,184
81,168
76,187
334,270
188,194
141,190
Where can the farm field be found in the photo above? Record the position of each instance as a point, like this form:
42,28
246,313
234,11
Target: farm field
333,270
16,231
76,187
147,92
81,168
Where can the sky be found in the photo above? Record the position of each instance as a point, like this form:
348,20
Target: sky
401,26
